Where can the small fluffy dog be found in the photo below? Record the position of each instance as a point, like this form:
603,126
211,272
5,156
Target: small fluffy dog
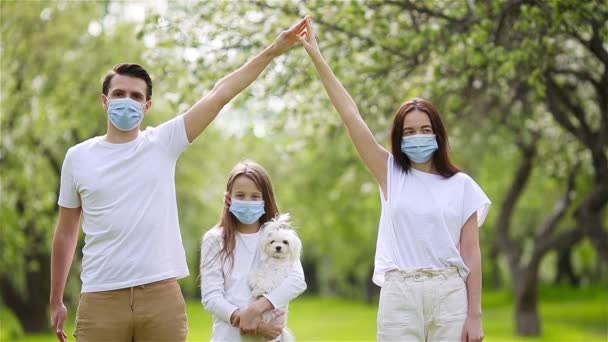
281,247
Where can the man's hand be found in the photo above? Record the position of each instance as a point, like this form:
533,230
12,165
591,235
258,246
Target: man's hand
58,316
287,39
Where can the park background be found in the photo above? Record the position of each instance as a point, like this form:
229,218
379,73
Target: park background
522,86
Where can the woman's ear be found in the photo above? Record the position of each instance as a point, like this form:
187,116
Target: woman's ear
227,200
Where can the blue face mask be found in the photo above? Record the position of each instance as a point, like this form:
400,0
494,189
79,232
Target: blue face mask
125,113
247,212
420,147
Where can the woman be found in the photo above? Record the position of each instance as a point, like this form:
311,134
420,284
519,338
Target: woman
428,261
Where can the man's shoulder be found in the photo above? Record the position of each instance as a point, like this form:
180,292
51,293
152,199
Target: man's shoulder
83,147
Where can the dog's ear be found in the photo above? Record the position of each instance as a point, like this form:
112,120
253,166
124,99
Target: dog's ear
295,246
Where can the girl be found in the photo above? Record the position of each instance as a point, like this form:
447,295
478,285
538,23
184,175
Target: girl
230,251
428,261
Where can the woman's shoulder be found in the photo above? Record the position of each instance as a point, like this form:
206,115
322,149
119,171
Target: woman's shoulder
461,176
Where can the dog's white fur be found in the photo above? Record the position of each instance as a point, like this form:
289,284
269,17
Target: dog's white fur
281,248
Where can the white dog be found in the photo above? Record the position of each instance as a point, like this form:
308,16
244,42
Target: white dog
281,248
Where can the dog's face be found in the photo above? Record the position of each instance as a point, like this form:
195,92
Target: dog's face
282,243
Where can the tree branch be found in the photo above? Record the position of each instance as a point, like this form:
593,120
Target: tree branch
555,96
561,207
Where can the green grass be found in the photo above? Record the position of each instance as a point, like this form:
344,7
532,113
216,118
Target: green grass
567,315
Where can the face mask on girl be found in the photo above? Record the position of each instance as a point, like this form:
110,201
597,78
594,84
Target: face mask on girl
420,147
247,212
125,113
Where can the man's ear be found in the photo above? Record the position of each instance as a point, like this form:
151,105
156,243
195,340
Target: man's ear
147,107
104,102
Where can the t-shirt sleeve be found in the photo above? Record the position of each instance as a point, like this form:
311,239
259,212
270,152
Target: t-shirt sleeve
172,135
68,193
474,200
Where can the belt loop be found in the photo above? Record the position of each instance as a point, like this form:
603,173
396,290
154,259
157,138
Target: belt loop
131,298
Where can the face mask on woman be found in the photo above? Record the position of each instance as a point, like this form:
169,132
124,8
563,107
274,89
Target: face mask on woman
420,147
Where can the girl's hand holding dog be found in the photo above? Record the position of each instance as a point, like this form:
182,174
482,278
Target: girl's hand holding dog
274,328
235,318
251,317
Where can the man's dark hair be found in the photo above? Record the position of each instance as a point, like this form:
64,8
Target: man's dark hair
128,69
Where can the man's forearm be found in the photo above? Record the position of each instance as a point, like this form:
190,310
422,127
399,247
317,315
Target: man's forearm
231,85
61,260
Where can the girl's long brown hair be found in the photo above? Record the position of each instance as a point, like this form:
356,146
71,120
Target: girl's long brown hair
228,221
441,159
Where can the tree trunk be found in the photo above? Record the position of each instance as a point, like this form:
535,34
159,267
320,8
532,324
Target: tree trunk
495,276
565,270
527,320
372,290
31,305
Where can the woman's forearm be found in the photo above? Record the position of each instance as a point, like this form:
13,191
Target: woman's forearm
473,283
340,98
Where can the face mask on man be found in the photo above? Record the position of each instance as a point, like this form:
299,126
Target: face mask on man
420,147
247,212
125,113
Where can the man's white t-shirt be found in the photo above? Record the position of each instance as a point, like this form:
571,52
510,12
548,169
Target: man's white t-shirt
421,220
224,288
129,207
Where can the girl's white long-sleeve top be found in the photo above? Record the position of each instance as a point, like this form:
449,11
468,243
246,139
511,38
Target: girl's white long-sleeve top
224,287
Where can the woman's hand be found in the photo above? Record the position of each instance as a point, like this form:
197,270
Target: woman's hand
307,38
472,331
287,39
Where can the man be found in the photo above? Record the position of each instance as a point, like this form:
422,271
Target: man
123,185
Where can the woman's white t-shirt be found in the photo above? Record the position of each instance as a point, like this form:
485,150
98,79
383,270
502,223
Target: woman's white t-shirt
225,289
421,220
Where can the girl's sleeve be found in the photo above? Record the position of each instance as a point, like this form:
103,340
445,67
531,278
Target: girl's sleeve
474,200
212,279
290,288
